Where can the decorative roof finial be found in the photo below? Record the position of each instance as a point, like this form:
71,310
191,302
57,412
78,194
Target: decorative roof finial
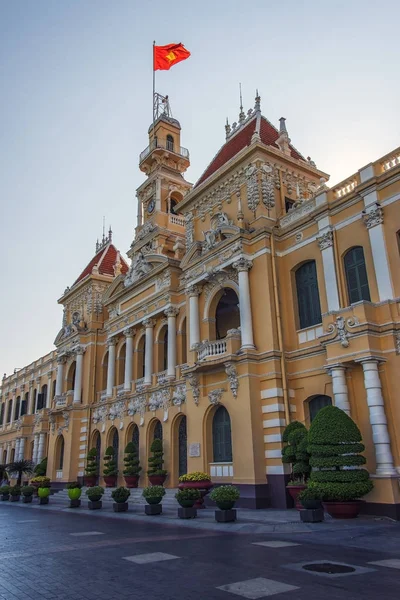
282,125
242,116
227,128
110,234
283,141
257,105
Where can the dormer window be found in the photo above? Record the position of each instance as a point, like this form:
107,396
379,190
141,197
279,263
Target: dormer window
170,143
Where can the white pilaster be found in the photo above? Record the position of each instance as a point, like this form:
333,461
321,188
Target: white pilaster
148,358
21,448
14,401
35,448
41,447
16,453
194,325
79,352
129,333
171,313
30,400
139,211
111,367
60,375
246,321
377,418
49,389
373,219
325,242
339,386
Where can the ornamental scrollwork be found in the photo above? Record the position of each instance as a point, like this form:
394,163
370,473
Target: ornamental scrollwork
179,395
339,327
195,386
139,268
231,372
325,240
215,396
373,217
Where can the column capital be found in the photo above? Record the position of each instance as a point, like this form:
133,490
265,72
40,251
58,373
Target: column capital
337,367
171,311
61,360
79,350
111,341
149,323
243,264
370,359
325,240
193,290
49,374
38,380
373,216
129,332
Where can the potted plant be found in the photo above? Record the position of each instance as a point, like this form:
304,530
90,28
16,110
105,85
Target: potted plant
225,497
120,497
132,466
335,444
15,493
44,490
310,499
186,499
20,467
37,482
197,481
94,495
74,494
5,492
27,493
153,496
156,473
110,470
41,468
91,469
295,453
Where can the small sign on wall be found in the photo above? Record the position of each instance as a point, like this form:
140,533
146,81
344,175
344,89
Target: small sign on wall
194,449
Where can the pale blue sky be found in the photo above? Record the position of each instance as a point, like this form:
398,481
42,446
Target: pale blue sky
75,106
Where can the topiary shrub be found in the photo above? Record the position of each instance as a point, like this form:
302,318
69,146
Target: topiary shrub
156,461
131,461
120,495
91,463
334,443
110,466
295,453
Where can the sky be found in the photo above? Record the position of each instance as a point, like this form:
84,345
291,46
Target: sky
76,104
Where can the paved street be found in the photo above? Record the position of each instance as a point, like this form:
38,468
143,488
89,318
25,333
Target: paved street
70,556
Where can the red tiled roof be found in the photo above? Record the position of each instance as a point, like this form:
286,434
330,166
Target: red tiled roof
105,260
240,140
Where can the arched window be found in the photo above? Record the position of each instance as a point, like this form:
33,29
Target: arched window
17,408
158,432
227,313
121,365
182,446
9,411
60,456
24,404
170,143
115,445
41,400
316,403
356,275
165,351
71,377
104,372
308,295
135,436
184,342
2,413
53,389
222,441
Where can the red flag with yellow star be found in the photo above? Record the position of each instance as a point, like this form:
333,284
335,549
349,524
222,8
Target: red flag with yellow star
166,57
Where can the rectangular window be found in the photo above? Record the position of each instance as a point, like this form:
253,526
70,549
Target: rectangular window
9,411
2,413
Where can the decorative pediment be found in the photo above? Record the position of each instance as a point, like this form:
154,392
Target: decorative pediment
193,253
140,267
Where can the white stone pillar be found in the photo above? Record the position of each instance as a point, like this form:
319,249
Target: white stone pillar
49,389
148,358
339,386
41,447
111,366
14,401
377,418
21,448
194,326
246,322
30,400
325,242
373,219
139,211
16,453
171,313
35,448
79,352
129,333
60,375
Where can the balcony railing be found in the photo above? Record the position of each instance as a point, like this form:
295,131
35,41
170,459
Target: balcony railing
169,146
215,348
391,161
61,400
103,395
140,384
175,220
59,474
120,390
223,469
162,377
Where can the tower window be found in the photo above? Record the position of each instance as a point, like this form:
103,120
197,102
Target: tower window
288,204
170,143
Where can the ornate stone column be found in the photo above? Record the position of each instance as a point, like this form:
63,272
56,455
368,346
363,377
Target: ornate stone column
129,333
148,358
339,386
41,447
49,389
377,418
171,313
21,448
193,292
14,400
111,366
79,352
35,448
30,400
246,321
38,382
60,375
16,453
325,243
373,219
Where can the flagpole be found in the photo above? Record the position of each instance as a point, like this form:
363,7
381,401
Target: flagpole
154,91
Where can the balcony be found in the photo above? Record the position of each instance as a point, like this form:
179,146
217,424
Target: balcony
162,377
139,385
211,350
175,220
167,146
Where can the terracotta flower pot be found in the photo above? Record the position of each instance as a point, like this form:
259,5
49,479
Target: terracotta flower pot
90,480
294,491
343,510
202,486
131,481
157,479
110,480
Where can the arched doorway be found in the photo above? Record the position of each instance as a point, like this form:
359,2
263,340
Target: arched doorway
227,313
135,436
115,445
158,431
221,436
121,365
71,377
140,354
316,403
182,446
104,370
60,453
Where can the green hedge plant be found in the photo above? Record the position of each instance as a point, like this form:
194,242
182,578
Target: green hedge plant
110,465
335,444
120,495
131,461
91,463
95,493
294,452
153,494
187,497
156,461
27,490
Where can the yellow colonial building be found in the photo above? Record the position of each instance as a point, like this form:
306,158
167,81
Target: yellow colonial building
253,298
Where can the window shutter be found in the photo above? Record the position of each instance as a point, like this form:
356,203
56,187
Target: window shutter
308,295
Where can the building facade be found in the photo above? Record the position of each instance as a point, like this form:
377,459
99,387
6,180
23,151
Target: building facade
253,298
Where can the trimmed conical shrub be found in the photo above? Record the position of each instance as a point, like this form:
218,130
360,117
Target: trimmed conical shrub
295,452
335,444
110,466
131,461
91,463
156,461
